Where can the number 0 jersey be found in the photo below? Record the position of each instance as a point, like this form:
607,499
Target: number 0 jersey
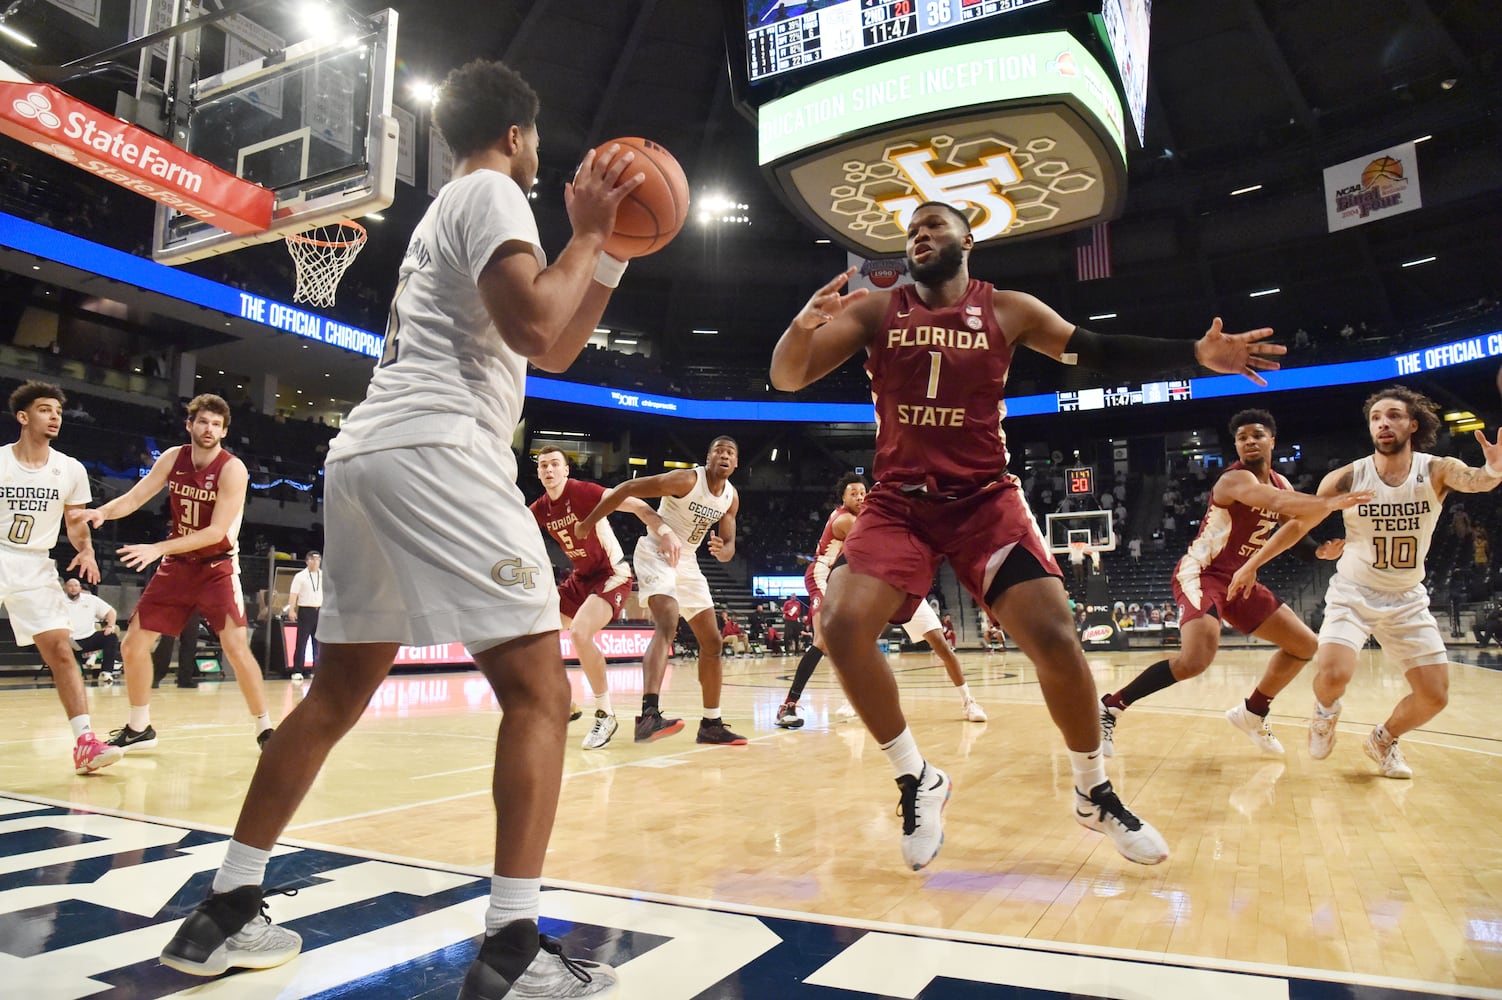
32,501
1388,538
191,497
937,378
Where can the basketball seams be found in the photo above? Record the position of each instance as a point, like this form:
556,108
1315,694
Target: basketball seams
645,225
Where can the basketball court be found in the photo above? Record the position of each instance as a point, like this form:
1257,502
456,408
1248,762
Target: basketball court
773,870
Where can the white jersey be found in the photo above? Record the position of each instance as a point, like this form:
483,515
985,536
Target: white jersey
32,500
445,374
1388,537
693,515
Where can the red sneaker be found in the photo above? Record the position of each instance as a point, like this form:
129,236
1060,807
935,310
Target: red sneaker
90,754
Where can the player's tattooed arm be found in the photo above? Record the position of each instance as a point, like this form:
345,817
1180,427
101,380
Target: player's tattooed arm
1453,474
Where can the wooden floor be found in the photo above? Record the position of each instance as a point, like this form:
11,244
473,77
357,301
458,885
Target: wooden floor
1323,866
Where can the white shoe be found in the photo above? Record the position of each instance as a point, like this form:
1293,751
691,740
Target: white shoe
1103,812
845,711
1390,761
1322,735
1256,728
973,711
600,733
921,807
297,676
203,946
1108,717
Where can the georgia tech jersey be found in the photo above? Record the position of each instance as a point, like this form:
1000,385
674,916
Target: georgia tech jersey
32,501
692,516
1388,537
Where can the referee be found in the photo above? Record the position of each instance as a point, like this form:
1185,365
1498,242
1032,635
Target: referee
303,605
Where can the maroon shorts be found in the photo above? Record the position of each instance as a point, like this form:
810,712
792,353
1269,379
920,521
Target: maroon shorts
180,587
574,591
815,595
900,539
1195,594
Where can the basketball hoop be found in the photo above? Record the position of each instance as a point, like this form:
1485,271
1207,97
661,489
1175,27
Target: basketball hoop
322,254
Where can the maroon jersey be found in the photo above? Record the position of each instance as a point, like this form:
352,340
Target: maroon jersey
937,378
828,553
192,494
600,554
1229,536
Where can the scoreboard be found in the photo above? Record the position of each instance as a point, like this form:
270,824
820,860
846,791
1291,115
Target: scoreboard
783,36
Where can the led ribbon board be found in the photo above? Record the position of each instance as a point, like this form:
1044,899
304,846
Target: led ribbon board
1027,132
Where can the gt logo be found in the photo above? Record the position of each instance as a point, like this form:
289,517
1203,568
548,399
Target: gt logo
510,572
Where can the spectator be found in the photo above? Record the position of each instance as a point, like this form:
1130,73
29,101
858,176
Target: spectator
92,626
1134,548
734,636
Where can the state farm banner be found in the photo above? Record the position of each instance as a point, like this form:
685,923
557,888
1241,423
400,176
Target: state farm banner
49,120
1372,187
615,643
876,275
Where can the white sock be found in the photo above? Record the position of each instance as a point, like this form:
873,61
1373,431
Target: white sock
243,865
712,713
140,717
512,899
903,754
263,722
964,690
602,703
1320,711
80,724
1089,769
1384,738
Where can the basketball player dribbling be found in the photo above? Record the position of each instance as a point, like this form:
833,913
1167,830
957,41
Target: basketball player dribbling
1247,502
923,626
1378,584
40,489
200,568
937,353
600,581
693,502
429,539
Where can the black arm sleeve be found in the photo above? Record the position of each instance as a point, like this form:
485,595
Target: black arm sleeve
1126,355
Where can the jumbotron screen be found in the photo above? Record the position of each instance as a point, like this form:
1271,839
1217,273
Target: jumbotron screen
785,35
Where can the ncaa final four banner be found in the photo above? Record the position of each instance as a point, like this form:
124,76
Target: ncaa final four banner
876,275
1372,187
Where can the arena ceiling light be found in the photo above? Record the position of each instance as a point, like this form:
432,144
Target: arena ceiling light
1422,138
1265,291
707,333
1104,316
1247,190
1421,260
17,37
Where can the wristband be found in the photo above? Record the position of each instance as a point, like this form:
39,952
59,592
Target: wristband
663,530
1494,473
608,270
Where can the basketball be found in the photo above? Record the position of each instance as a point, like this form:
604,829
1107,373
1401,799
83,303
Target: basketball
1383,168
651,215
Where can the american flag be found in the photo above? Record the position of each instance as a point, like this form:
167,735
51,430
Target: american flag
1092,257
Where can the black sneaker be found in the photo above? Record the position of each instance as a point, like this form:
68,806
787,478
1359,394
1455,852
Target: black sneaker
128,739
652,726
230,929
713,732
574,711
516,961
263,737
788,717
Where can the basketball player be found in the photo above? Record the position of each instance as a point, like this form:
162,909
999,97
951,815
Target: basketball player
428,537
924,625
1377,588
600,582
937,353
693,502
200,568
40,487
1247,503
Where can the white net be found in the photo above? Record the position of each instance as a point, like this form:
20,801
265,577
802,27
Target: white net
321,256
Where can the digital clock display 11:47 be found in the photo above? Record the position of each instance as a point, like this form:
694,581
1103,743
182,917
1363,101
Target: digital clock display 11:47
888,21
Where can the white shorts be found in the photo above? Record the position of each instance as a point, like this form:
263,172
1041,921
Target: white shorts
428,545
684,583
32,594
924,621
1401,621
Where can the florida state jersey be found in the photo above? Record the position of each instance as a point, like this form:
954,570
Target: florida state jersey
938,377
1230,535
600,554
192,494
829,550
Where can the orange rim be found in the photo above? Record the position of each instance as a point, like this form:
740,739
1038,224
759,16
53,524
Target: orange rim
359,237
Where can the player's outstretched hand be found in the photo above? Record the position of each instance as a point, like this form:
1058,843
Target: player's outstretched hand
827,303
138,557
1492,451
1345,501
92,516
1238,353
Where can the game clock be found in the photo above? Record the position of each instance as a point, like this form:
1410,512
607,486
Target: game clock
1081,482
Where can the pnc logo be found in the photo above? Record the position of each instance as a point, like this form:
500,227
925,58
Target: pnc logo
510,572
36,106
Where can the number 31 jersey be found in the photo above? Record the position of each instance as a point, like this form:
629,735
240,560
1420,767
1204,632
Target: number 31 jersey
1388,538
